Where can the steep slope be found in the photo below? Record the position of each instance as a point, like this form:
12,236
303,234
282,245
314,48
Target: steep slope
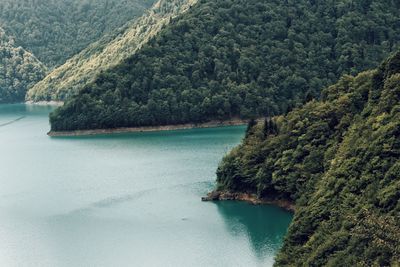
55,30
19,70
233,58
338,159
112,49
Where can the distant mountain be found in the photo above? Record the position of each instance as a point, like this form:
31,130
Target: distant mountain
338,159
109,51
234,58
19,70
55,30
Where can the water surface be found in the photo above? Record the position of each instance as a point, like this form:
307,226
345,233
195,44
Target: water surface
123,200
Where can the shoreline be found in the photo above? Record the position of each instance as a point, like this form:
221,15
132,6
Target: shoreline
45,103
249,198
211,124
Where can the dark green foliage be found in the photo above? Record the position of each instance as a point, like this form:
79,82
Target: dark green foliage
252,122
233,58
270,127
19,70
338,159
107,52
55,30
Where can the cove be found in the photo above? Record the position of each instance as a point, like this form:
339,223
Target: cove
123,200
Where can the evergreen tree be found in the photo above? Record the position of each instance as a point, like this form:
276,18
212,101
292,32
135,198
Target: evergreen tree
250,125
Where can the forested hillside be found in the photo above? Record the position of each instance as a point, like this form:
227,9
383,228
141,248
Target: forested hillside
110,50
233,58
338,159
55,30
19,70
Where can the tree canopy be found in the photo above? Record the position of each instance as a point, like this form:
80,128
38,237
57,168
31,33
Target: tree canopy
19,70
338,159
55,30
69,78
233,58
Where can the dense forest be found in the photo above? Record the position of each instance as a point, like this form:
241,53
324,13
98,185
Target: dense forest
338,160
19,70
233,58
55,30
69,78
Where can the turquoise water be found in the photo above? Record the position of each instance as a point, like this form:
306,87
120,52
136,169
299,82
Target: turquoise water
123,200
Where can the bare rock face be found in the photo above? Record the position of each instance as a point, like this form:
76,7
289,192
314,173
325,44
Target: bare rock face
248,197
212,196
226,195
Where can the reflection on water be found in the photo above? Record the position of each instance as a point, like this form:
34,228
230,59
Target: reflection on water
264,225
14,109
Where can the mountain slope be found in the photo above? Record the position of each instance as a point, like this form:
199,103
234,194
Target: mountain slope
339,160
55,30
110,50
19,70
233,58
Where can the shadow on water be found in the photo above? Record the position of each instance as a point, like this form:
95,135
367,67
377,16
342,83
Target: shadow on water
189,140
264,225
187,134
26,109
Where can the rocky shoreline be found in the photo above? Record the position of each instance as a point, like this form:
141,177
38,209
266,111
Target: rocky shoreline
45,103
211,124
247,197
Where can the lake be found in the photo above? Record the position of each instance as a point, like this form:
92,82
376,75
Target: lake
123,200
